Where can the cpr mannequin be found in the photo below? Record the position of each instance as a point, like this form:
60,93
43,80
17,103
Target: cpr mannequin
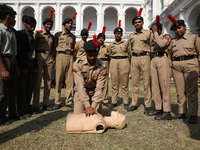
79,123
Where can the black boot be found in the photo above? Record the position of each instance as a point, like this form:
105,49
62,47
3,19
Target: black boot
132,108
179,116
156,112
148,111
126,106
164,116
112,105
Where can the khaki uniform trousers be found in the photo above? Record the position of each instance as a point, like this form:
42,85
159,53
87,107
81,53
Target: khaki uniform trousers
186,80
8,88
141,66
25,86
105,89
119,71
79,106
64,64
45,68
160,70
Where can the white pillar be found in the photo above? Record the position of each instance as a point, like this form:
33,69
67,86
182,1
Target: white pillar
37,15
57,18
78,19
99,18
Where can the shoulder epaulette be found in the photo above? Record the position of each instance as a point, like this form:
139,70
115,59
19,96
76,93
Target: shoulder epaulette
39,31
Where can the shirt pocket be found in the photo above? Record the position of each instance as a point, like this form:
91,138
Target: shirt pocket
61,42
189,48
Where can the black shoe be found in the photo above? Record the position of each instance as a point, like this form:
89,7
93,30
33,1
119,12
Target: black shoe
5,121
46,108
156,112
148,111
126,106
132,108
192,120
70,105
112,105
37,110
164,116
14,117
179,116
56,107
106,104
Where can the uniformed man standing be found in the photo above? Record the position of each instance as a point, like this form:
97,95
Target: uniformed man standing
90,77
104,56
46,55
79,45
8,67
64,43
160,71
185,55
119,67
139,46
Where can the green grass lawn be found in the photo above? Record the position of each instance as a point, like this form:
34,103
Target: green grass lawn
47,131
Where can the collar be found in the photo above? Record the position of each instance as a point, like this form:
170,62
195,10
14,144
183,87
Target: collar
115,42
85,62
142,31
183,37
4,27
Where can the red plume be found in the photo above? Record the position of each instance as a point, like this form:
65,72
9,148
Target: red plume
104,30
157,20
89,25
140,12
74,16
51,13
96,44
119,24
172,19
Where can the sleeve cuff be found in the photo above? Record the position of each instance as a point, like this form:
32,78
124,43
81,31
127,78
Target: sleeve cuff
94,104
87,104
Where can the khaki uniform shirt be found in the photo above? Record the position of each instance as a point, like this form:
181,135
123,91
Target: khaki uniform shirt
103,52
187,45
44,41
80,51
64,41
87,76
160,43
118,49
139,42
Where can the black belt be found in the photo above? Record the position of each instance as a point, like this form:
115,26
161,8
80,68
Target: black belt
90,89
119,57
104,59
158,54
184,58
66,52
43,51
139,54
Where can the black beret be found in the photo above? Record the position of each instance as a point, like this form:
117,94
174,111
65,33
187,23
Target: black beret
47,20
118,30
90,47
136,18
84,32
101,35
66,21
179,23
159,26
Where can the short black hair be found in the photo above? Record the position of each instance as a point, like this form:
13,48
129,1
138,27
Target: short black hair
28,19
6,10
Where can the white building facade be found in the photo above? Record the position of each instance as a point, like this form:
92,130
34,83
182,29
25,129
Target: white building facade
107,13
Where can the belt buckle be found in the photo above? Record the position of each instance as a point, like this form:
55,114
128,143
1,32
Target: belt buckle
138,54
46,52
182,59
